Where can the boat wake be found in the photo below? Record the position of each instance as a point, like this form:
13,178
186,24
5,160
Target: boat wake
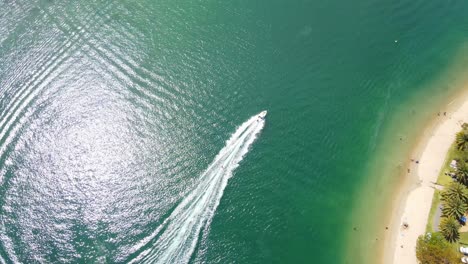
177,237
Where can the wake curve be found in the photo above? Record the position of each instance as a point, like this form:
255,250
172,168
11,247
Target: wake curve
177,237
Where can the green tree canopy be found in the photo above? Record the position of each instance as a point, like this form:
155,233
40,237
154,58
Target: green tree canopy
461,173
462,140
433,248
449,228
455,191
455,208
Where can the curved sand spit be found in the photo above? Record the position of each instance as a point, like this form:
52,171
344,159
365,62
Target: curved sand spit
418,202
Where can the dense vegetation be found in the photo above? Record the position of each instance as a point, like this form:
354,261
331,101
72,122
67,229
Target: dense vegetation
437,247
433,248
455,195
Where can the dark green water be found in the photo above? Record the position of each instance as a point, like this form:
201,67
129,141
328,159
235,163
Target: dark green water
111,110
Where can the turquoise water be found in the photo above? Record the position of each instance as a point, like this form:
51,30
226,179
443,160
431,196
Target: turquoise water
111,112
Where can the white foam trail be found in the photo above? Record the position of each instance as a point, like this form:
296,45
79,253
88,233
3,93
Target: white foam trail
178,235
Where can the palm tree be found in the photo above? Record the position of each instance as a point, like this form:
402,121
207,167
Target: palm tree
461,173
454,208
449,228
455,190
462,140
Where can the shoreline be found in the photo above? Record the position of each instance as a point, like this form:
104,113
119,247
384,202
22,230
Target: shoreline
412,201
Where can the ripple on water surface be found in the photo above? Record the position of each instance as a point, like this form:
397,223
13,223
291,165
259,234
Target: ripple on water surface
89,120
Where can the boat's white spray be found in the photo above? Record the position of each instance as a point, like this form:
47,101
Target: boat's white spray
178,235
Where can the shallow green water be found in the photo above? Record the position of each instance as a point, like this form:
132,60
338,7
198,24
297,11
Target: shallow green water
111,111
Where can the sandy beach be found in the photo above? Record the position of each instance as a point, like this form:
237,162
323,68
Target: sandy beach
415,207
